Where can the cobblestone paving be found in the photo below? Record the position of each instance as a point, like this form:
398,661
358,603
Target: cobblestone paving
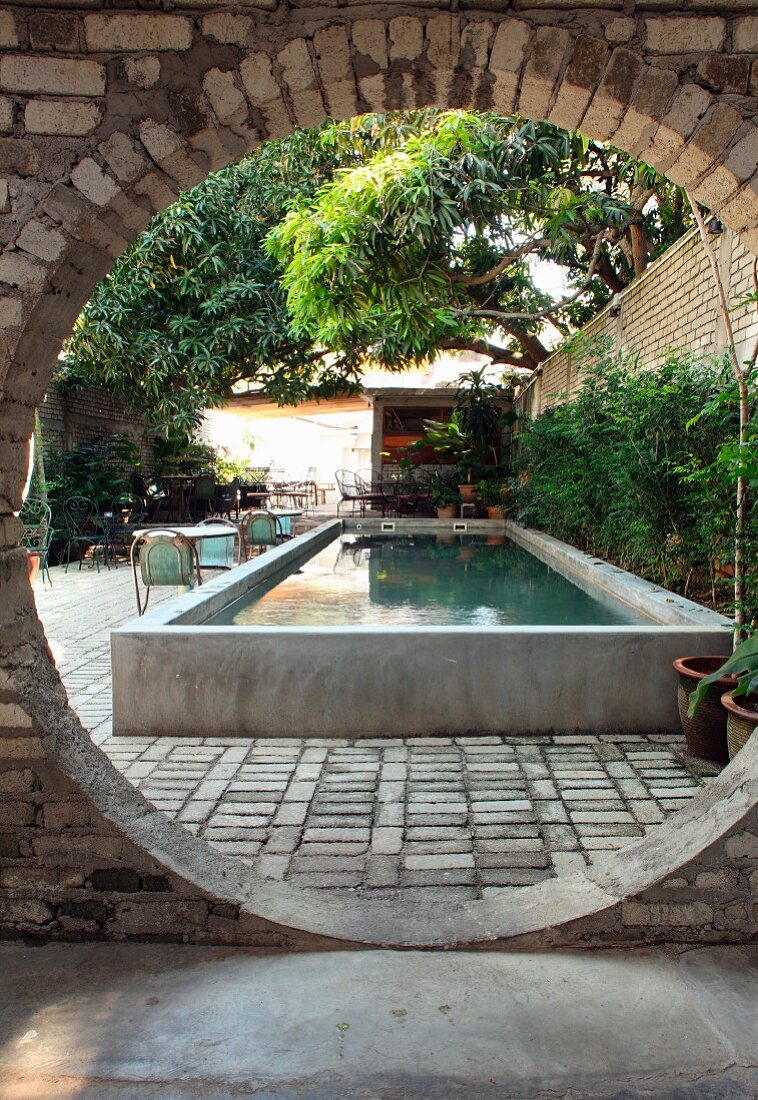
465,815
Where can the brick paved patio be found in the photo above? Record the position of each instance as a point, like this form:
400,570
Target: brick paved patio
466,816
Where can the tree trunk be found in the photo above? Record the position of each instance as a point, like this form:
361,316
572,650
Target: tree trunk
640,249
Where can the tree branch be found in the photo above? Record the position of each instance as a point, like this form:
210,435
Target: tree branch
484,347
501,265
498,315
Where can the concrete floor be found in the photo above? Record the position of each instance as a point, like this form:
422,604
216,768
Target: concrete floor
101,1021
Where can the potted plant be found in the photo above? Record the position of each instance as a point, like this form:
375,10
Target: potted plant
472,435
704,732
446,500
742,717
490,496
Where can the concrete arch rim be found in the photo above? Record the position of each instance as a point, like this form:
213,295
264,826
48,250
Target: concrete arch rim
88,766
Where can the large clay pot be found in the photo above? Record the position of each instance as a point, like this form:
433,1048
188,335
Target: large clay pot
447,511
468,493
741,720
32,565
705,734
496,512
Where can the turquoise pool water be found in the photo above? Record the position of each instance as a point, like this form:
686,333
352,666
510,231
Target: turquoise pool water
425,580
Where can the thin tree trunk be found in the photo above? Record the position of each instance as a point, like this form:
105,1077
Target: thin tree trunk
741,375
640,251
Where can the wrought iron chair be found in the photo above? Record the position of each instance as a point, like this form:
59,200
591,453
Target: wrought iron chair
369,494
201,496
165,557
258,529
348,489
219,553
84,528
38,532
128,513
152,496
228,499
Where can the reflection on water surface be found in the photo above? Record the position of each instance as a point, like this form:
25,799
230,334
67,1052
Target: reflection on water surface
425,580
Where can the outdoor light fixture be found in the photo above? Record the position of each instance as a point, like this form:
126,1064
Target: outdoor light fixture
715,226
616,305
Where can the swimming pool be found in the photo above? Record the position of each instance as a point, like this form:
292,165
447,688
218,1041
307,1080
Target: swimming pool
369,628
424,579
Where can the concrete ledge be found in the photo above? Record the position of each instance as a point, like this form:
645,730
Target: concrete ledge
418,681
591,573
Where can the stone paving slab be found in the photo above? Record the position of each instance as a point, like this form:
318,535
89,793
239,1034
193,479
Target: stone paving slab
451,816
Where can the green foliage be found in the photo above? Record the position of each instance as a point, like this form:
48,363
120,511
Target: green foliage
175,453
639,467
743,664
100,470
472,435
383,254
350,241
195,304
443,488
490,493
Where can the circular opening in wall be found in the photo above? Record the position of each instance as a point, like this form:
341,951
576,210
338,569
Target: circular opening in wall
509,900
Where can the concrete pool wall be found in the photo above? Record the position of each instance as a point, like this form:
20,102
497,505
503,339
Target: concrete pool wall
174,676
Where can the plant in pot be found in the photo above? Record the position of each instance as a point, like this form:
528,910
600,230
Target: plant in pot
741,669
714,724
446,499
490,495
472,435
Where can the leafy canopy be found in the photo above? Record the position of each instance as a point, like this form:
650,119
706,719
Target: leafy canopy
387,237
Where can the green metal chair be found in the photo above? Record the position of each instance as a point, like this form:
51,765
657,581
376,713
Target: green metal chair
219,553
165,557
202,496
258,529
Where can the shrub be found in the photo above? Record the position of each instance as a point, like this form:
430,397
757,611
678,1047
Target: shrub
635,468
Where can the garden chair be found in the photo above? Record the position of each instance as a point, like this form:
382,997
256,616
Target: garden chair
152,496
218,553
368,494
202,495
258,529
228,499
38,532
348,490
84,529
128,514
165,557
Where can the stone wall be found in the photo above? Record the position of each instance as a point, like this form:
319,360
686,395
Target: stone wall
673,305
105,115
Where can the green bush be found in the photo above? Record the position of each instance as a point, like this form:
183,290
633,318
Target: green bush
638,468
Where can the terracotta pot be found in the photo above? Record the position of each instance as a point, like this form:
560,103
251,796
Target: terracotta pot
468,493
741,720
447,511
496,512
705,734
32,565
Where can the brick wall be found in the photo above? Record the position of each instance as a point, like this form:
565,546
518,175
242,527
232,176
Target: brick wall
673,305
72,417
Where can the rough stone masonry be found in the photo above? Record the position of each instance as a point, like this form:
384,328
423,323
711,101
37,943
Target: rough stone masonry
105,114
